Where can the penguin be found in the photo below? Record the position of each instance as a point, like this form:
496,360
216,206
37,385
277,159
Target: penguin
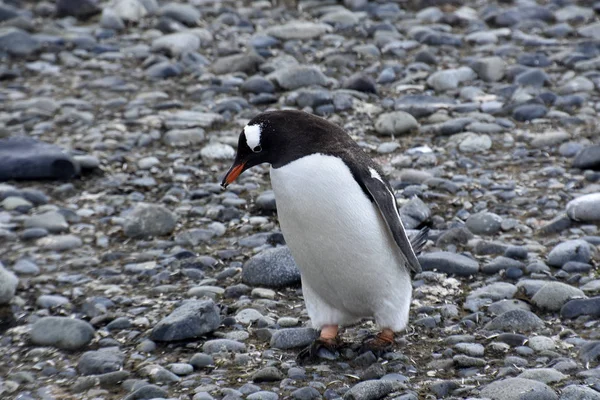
339,217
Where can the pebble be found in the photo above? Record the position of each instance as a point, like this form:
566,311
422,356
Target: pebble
449,263
8,285
372,389
577,307
553,295
190,320
223,345
292,338
585,208
271,268
515,320
572,250
100,361
512,388
147,220
396,123
267,374
588,158
484,223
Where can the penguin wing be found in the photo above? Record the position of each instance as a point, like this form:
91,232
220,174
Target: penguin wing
383,196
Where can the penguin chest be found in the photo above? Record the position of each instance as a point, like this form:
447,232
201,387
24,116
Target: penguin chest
336,234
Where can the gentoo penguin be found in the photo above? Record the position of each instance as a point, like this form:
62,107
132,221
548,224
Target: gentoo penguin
339,217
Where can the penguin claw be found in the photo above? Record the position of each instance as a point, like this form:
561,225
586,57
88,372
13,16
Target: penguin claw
320,349
376,345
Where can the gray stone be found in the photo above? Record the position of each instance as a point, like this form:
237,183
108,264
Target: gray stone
515,320
371,390
60,242
223,345
490,69
541,343
553,295
52,221
8,285
129,10
271,268
572,250
474,143
267,374
449,263
577,307
396,123
217,151
190,320
17,42
518,389
50,301
185,13
147,392
247,63
297,30
298,76
100,362
263,395
148,220
577,392
62,332
484,223
414,213
184,137
450,78
544,375
292,338
585,208
201,360
176,43
111,20
551,138
588,158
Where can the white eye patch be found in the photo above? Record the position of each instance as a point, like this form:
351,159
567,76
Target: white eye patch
252,133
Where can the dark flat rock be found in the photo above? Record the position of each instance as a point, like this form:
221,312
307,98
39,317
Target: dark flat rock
23,158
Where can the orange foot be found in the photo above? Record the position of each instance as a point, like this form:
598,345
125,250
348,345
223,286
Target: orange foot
324,347
378,344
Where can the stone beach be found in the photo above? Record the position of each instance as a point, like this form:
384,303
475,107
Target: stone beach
126,272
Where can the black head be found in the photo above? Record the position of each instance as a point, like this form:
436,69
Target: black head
280,137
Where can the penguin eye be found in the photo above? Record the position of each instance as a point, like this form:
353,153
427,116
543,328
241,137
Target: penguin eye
257,149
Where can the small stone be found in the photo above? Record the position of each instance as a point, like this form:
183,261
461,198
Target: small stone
371,390
62,332
298,76
177,43
183,138
576,392
190,320
572,250
147,392
544,375
8,285
52,221
396,123
129,10
100,362
297,30
513,389
527,112
515,320
271,268
541,343
292,338
267,374
185,13
484,223
263,395
585,208
588,158
361,83
474,143
577,307
217,151
148,220
553,295
201,360
60,242
449,263
223,345
490,69
81,9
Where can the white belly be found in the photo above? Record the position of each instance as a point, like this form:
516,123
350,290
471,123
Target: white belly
351,267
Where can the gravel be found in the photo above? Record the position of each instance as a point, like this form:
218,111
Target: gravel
129,273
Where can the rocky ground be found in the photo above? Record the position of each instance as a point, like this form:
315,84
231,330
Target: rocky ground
142,279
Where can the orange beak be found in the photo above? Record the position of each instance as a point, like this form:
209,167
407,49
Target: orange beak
232,174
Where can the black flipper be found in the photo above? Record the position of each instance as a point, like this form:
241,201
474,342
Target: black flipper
418,241
383,196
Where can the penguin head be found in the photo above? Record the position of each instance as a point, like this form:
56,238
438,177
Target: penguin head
277,138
